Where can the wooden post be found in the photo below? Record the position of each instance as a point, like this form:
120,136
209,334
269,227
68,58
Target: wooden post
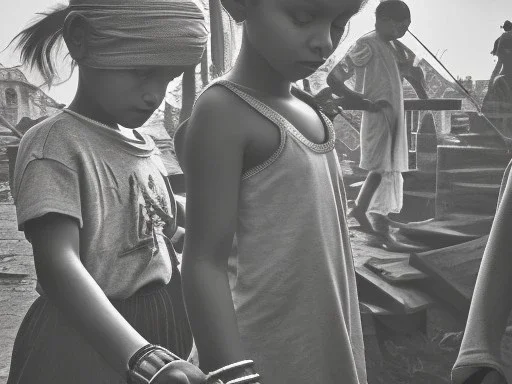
218,48
12,152
10,127
205,70
188,90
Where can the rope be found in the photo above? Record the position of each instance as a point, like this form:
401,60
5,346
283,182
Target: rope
507,140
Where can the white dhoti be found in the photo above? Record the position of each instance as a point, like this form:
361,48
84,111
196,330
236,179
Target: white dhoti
388,198
384,146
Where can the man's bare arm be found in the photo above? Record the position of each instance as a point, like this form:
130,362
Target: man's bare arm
349,99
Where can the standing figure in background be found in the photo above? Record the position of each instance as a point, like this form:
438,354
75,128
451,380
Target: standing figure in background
507,28
499,95
374,60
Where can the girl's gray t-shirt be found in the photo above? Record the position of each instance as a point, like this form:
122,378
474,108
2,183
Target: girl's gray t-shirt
114,186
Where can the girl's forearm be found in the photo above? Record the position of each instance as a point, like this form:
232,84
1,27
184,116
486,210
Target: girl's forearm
341,90
211,313
70,287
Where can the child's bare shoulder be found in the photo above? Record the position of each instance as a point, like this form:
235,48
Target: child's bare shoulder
221,114
220,106
217,126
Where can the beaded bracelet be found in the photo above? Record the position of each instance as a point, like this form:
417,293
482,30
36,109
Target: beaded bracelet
147,362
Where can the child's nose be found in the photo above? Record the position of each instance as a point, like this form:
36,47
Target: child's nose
150,99
153,95
322,43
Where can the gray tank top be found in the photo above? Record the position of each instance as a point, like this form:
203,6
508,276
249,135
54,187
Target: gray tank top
291,271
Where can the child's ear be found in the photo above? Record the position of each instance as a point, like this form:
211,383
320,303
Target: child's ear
76,35
236,8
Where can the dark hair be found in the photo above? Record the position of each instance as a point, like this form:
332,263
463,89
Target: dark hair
395,10
507,26
37,42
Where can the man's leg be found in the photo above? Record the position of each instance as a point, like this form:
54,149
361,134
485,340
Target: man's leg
380,223
364,198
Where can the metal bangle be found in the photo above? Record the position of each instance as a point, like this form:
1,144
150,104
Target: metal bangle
245,379
158,372
229,367
240,380
150,363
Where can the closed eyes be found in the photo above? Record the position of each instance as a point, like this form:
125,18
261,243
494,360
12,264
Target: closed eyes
302,17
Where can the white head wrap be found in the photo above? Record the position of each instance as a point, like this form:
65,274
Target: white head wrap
133,33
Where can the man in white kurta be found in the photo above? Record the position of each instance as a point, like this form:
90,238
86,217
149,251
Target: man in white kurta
384,149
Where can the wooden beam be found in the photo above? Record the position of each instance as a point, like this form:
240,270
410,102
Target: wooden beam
433,104
9,126
453,271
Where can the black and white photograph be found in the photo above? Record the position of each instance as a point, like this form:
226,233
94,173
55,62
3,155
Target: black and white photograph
255,192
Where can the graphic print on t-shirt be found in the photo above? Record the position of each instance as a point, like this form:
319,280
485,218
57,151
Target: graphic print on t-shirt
154,213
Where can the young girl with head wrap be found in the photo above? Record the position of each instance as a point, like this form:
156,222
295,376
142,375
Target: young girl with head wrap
268,274
96,205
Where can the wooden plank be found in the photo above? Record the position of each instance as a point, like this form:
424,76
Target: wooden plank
453,270
13,275
15,247
7,210
446,231
410,104
363,246
457,157
8,224
405,324
17,265
395,271
11,234
373,289
432,104
368,308
495,187
400,323
398,299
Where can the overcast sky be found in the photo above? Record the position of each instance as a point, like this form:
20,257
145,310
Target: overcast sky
463,31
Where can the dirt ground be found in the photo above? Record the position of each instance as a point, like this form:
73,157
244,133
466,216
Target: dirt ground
18,292
392,357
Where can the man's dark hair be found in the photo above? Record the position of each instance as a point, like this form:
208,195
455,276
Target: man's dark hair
395,10
507,26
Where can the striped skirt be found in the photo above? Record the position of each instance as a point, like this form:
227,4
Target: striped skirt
48,350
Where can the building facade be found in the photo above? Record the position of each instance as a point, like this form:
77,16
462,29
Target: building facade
20,99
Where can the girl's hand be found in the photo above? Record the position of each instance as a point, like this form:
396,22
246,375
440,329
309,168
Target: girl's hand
180,372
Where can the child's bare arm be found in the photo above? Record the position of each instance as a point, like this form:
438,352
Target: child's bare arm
66,282
351,99
55,240
212,159
336,81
